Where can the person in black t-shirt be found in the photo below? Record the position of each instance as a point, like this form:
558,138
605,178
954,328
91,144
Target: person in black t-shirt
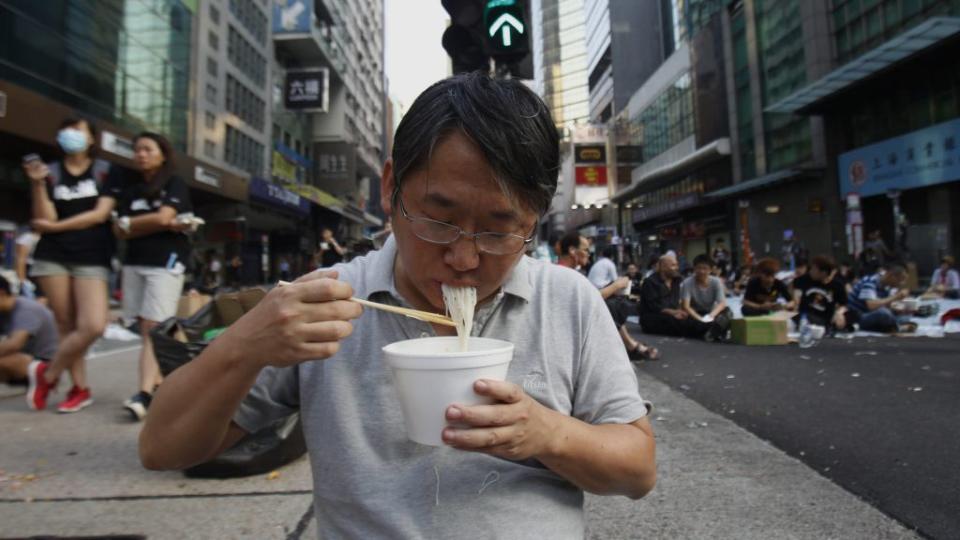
150,209
330,251
72,202
822,294
765,293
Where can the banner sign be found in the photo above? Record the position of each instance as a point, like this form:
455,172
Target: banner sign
921,158
591,176
292,16
263,191
590,153
307,90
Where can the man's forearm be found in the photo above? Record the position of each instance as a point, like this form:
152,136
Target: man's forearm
192,409
608,459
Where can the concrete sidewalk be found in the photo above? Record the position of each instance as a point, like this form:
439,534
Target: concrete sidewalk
79,475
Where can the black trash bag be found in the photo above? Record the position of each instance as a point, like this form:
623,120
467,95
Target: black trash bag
172,353
257,453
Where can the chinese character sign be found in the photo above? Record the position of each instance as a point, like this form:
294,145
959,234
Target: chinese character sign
307,90
921,158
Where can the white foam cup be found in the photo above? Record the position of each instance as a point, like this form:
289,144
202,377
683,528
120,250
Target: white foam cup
430,374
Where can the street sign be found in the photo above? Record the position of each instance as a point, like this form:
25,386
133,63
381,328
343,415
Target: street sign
307,90
507,31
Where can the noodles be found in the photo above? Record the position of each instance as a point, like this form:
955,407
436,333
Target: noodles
460,302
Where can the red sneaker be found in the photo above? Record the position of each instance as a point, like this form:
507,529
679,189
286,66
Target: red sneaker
77,399
37,387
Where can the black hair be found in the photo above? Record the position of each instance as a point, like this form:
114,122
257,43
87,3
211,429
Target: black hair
509,122
5,285
71,121
702,259
609,251
824,263
160,179
569,240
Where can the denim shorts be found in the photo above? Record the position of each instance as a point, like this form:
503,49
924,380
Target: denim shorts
52,268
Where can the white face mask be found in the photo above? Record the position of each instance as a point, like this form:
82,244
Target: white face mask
72,140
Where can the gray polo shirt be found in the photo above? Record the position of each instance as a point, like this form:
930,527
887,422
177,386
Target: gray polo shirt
370,481
37,320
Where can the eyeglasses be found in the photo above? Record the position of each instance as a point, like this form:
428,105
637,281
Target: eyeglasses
438,232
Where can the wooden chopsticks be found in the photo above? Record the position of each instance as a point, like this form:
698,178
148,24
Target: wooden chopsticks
407,312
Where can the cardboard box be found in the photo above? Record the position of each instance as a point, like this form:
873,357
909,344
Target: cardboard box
190,304
766,330
232,306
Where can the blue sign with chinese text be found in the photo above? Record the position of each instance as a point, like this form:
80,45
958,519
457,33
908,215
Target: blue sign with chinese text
263,191
921,158
292,16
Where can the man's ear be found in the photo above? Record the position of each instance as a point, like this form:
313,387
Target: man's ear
387,186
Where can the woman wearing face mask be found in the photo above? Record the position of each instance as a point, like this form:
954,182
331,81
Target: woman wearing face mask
157,253
72,201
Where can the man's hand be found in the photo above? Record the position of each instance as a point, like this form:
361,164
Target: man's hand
301,321
44,226
622,283
517,427
839,321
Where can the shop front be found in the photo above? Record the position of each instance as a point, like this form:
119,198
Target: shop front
907,188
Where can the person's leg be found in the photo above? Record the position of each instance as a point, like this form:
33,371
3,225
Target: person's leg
693,328
879,320
90,299
57,290
660,324
13,367
160,298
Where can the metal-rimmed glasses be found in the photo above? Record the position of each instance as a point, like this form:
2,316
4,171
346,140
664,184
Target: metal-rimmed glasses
438,232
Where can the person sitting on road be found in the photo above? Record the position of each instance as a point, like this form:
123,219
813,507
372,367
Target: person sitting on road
765,293
28,334
660,311
703,295
873,304
946,281
822,295
614,288
466,198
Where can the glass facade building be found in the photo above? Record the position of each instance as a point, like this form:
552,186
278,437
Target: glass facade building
742,94
564,61
860,25
780,47
668,120
125,61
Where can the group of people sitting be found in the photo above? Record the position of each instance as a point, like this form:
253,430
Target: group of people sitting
668,304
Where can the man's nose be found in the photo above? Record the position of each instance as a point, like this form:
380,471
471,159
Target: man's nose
462,254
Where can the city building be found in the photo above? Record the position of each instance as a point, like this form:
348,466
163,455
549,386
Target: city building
889,100
670,144
560,60
124,64
337,47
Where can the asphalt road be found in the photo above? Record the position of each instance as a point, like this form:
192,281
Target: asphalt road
878,416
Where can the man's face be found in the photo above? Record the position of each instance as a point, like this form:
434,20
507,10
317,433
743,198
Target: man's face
457,186
817,274
767,280
632,270
582,255
669,267
702,271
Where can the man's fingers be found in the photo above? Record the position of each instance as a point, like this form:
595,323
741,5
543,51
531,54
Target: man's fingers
322,290
317,274
476,438
336,310
318,332
499,390
483,415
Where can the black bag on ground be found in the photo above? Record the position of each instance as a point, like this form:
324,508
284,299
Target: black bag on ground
257,453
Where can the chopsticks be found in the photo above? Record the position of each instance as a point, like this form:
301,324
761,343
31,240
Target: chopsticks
425,316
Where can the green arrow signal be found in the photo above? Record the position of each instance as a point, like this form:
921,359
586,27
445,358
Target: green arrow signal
503,24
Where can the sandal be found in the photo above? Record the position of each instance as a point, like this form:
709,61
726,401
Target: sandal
647,353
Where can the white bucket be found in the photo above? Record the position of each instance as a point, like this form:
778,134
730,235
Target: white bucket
430,374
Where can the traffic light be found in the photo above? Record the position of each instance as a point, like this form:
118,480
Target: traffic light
485,29
463,40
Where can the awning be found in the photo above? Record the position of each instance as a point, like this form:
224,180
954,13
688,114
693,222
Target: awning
756,183
909,43
704,155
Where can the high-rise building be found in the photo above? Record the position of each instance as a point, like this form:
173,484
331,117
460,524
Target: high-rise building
231,77
344,142
560,60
